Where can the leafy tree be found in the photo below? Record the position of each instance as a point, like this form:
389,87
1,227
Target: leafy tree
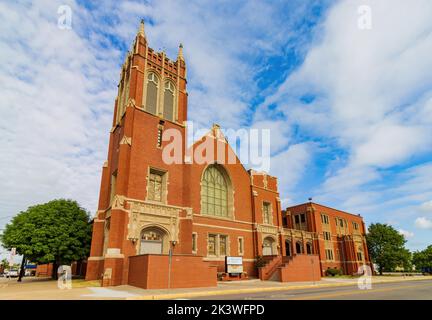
4,262
58,231
387,247
423,259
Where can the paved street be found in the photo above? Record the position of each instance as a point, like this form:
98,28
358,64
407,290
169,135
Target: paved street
408,290
327,288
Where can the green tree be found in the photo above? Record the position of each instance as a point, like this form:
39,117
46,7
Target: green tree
58,231
423,259
387,247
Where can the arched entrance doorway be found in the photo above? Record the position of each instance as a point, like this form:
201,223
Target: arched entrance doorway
152,241
299,247
288,248
268,247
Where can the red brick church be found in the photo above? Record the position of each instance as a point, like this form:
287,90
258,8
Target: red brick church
199,212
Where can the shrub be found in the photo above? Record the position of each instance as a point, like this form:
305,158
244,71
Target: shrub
333,272
260,262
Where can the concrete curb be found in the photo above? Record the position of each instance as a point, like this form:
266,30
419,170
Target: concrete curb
168,296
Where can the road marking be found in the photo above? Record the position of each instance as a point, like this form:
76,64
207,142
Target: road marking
358,291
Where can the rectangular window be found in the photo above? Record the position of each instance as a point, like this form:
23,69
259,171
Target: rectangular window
297,219
240,246
223,245
327,235
355,225
194,242
324,219
267,213
113,186
212,244
359,256
155,187
329,254
159,137
341,223
303,218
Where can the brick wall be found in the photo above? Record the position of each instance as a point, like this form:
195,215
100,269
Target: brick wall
187,271
301,268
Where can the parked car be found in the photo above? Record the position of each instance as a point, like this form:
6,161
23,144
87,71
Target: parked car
12,273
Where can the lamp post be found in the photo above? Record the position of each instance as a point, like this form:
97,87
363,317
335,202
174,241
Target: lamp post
312,269
170,253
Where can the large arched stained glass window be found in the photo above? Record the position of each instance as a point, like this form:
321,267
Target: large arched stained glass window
152,93
214,193
169,94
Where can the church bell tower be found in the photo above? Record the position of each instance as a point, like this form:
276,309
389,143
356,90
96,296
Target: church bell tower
141,197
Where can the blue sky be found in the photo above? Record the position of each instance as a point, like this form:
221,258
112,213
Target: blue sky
350,110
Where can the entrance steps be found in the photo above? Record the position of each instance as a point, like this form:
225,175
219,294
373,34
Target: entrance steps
295,268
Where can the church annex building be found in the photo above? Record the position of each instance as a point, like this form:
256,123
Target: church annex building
179,225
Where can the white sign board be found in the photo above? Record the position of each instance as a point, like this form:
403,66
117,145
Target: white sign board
11,257
234,264
234,260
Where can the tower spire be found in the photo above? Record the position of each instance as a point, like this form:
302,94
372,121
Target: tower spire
141,30
180,53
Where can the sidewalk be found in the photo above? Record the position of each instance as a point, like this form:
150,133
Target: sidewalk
43,289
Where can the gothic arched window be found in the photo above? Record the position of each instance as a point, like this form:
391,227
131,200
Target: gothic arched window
169,98
214,192
152,93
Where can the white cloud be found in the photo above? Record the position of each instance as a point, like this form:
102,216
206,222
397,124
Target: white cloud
406,234
58,86
426,206
423,223
288,166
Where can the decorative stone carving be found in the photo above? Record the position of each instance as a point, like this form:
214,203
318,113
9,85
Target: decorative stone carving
118,202
267,229
143,214
126,140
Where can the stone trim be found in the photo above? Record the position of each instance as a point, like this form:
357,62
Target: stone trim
221,227
95,258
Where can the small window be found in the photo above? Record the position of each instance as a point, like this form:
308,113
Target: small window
212,244
359,256
267,213
309,248
299,248
355,225
159,137
297,219
223,245
327,235
240,246
303,218
194,242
